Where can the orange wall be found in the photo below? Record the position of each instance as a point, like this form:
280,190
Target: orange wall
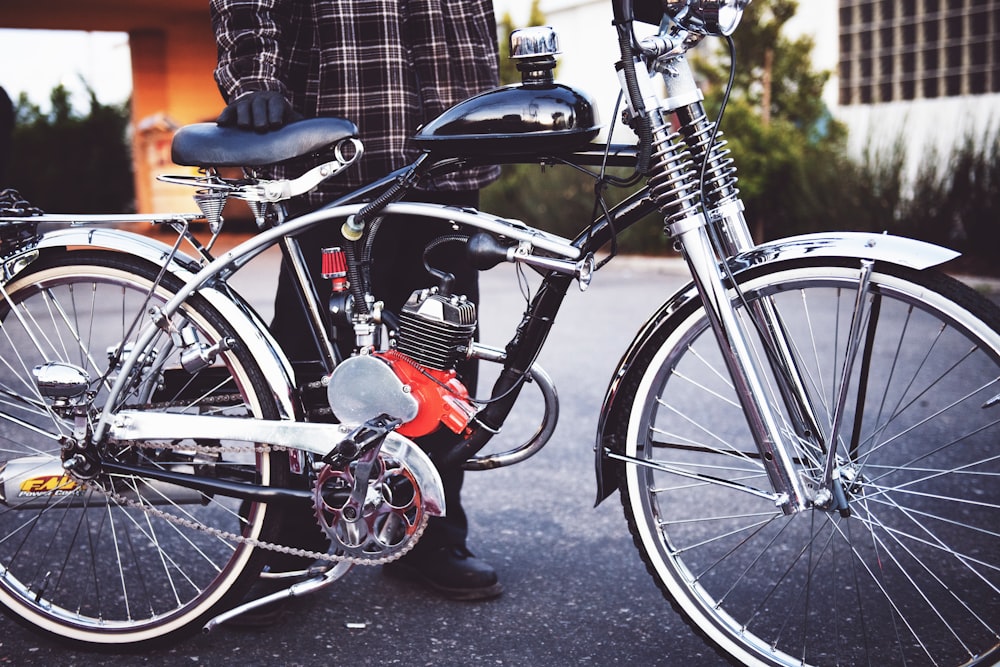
172,85
173,55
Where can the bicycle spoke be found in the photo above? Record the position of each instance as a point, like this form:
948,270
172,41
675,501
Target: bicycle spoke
911,575
119,559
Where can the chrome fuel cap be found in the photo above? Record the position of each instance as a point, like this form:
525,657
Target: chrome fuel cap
534,42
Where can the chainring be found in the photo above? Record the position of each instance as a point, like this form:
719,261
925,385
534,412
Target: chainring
382,526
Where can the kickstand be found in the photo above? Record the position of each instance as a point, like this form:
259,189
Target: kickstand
305,587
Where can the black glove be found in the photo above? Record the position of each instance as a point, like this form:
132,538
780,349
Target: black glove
261,110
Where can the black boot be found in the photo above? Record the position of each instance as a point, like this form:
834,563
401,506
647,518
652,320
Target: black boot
452,571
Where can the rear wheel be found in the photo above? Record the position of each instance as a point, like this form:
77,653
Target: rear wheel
912,574
121,560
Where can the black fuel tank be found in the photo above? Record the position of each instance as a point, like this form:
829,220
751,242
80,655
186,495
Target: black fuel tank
525,119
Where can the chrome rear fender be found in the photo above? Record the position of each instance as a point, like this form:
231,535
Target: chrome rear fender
897,250
240,315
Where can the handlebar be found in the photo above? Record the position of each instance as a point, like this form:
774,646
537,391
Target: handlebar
703,17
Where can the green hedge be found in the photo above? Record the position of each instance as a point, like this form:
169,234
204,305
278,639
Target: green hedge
954,201
63,160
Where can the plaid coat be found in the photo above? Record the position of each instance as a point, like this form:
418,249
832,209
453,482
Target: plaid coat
388,65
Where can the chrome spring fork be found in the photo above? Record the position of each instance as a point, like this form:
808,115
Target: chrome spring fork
675,188
725,212
720,184
672,178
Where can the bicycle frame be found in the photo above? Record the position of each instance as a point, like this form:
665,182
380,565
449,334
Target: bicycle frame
803,436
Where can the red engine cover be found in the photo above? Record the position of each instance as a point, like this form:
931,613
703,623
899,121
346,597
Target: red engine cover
442,398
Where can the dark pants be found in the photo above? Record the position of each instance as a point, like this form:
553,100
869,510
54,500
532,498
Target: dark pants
397,270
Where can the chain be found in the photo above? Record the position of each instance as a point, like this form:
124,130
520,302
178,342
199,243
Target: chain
249,541
214,449
221,399
224,400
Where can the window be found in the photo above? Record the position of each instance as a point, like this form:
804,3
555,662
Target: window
905,49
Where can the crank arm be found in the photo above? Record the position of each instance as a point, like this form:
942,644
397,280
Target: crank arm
365,442
362,440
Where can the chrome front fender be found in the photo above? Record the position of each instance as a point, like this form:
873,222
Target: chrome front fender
237,312
896,250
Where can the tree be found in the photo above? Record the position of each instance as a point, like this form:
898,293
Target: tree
788,147
63,161
774,73
508,69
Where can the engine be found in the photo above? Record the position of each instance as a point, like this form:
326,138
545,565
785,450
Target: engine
415,380
436,330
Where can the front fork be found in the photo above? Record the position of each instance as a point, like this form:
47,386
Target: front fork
733,340
677,189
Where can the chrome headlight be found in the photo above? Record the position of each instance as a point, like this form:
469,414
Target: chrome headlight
707,17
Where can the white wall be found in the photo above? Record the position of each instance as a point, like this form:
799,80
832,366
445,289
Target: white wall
939,124
590,51
929,124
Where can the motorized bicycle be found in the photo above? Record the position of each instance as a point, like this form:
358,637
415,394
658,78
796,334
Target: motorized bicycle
155,436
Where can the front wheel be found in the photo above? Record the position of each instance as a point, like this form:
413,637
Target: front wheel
910,573
121,560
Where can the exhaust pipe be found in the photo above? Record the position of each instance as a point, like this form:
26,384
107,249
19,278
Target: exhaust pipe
33,482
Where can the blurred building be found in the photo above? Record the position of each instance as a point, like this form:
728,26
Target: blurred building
924,71
895,50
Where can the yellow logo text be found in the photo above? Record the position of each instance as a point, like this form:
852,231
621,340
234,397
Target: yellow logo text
43,485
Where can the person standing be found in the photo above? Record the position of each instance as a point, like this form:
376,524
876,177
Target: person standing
390,66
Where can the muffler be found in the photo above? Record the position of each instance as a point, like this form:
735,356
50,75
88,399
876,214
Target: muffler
32,482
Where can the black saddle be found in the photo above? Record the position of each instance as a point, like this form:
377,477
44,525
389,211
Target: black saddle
209,145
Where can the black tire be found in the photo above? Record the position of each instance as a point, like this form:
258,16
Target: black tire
912,576
144,567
